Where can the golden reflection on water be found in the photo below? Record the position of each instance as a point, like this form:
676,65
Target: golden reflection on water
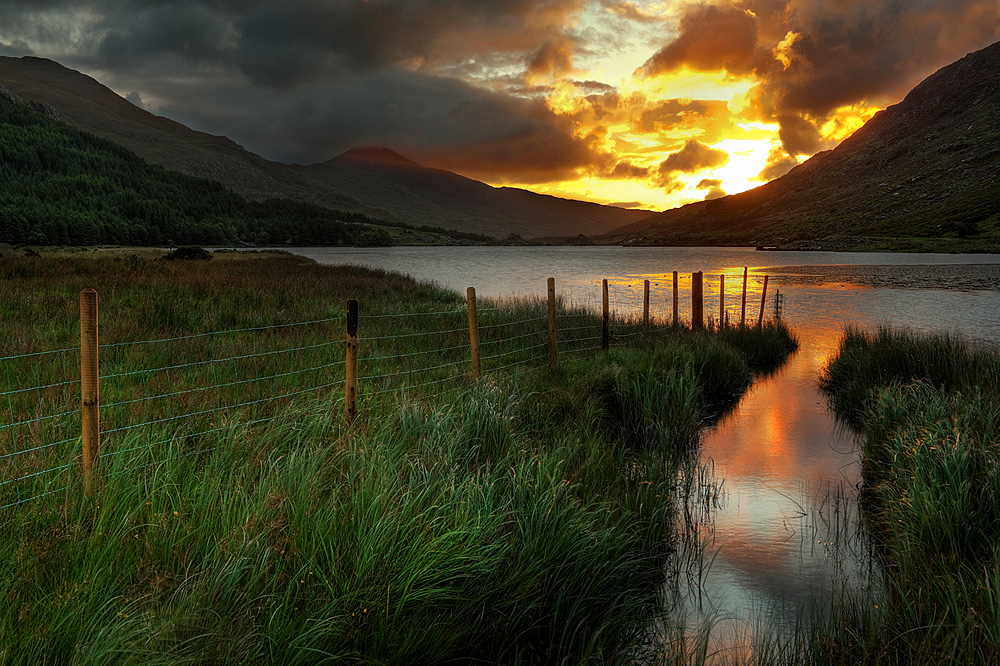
781,454
785,463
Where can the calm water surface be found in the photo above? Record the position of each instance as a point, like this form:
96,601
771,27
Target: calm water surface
783,536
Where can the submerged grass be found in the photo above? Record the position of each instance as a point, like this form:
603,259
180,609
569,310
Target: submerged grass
929,409
528,518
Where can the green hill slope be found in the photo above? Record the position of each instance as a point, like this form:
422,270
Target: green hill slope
61,186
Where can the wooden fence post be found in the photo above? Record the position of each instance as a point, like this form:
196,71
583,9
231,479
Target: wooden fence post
553,351
470,297
722,301
763,300
645,307
605,318
351,384
743,308
89,387
676,299
697,301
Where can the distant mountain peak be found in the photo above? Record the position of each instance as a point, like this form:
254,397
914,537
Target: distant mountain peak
375,155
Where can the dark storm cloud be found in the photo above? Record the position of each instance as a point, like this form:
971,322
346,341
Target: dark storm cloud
878,48
435,120
692,157
711,37
626,170
186,29
303,80
283,43
595,87
555,58
799,136
8,7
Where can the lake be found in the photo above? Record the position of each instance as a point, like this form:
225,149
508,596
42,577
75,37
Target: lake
784,533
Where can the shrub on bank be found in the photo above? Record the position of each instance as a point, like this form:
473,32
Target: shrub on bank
188,253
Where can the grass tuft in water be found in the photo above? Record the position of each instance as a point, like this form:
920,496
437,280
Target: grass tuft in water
931,501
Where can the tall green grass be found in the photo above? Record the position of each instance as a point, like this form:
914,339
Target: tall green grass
529,518
868,362
930,413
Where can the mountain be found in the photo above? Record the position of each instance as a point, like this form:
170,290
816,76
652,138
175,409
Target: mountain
483,208
396,189
921,174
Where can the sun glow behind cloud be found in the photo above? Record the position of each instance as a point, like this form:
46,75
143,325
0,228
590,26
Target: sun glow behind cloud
637,118
640,122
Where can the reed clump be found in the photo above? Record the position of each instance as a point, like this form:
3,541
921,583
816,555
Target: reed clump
527,518
868,362
930,413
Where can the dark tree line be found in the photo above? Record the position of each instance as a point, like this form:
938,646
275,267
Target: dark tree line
62,186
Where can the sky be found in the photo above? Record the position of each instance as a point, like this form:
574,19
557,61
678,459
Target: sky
642,103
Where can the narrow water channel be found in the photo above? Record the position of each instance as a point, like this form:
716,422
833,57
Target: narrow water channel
784,534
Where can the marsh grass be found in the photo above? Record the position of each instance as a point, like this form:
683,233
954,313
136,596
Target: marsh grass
868,362
528,518
930,500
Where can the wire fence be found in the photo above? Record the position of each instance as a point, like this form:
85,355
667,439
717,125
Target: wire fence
183,390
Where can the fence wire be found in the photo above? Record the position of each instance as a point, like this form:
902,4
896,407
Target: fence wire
177,392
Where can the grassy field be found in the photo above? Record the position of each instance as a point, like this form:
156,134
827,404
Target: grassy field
531,517
930,414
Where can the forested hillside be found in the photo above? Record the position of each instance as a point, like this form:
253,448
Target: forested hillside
61,186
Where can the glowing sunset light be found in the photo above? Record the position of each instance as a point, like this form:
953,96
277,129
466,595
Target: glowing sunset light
747,158
847,120
651,103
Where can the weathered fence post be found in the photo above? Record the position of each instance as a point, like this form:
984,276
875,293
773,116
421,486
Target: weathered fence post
605,319
351,384
722,301
553,351
89,387
763,300
743,308
470,296
645,307
697,301
676,299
